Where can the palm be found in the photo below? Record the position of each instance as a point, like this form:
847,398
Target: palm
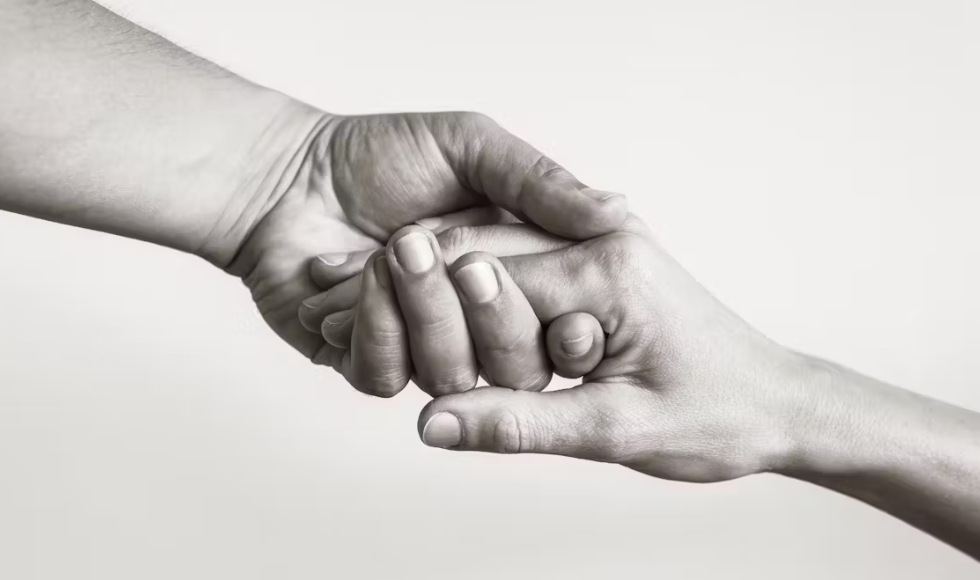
363,178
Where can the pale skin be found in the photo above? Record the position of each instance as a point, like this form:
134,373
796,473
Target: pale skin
675,384
106,126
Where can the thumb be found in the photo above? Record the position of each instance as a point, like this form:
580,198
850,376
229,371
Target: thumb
584,422
519,178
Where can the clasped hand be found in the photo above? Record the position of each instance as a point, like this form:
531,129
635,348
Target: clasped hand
675,384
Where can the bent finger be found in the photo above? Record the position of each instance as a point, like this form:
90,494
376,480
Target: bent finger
328,270
343,296
337,328
379,363
441,350
506,333
576,344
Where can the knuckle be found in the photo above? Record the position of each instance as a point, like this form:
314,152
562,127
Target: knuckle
516,379
611,436
457,241
510,434
457,380
620,254
541,169
535,381
515,344
519,363
544,167
384,389
627,246
384,374
384,383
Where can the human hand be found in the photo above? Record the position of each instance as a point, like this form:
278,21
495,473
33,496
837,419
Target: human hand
358,179
396,317
686,389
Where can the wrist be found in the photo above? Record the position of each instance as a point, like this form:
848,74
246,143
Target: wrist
844,424
260,168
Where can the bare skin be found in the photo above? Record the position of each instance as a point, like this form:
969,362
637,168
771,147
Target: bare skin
680,387
106,126
259,184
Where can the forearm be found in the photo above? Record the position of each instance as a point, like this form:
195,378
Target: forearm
915,458
107,126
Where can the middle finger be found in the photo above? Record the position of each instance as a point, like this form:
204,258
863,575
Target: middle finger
442,352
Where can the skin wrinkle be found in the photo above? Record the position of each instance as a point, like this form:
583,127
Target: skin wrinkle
424,141
398,184
454,380
259,205
475,149
454,239
263,295
516,183
485,135
518,346
508,435
341,161
611,436
452,141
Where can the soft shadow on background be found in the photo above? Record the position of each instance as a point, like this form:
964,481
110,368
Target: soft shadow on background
813,165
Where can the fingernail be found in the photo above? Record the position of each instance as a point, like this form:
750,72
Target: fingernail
478,282
338,318
381,272
577,346
314,302
334,259
430,223
600,195
414,253
442,430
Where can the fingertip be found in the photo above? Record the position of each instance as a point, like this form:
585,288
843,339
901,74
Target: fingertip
332,260
443,430
573,212
607,212
329,355
456,381
477,282
309,312
577,347
330,269
381,271
409,230
412,251
343,296
381,388
337,328
576,344
372,272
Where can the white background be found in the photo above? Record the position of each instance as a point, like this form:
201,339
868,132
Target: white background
813,163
